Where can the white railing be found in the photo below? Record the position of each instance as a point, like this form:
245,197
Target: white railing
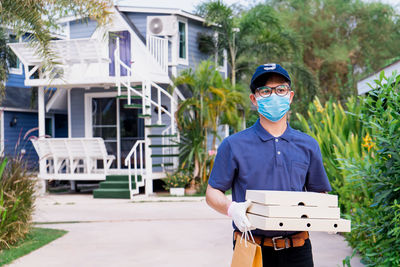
158,48
73,158
137,169
126,81
147,100
168,148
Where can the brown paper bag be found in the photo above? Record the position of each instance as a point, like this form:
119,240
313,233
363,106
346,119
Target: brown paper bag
246,254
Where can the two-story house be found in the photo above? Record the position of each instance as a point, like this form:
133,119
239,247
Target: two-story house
120,124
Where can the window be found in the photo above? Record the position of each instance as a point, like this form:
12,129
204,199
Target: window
183,42
13,62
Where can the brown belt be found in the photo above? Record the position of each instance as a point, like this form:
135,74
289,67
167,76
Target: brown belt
279,242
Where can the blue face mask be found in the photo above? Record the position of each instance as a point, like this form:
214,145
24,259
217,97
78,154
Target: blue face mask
273,107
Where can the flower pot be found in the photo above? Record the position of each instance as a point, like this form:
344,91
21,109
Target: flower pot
180,191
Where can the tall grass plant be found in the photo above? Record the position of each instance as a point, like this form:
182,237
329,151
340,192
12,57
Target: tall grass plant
16,201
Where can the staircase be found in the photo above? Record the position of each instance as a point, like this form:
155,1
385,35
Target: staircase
158,152
115,186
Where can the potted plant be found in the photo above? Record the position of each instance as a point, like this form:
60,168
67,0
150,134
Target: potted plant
176,183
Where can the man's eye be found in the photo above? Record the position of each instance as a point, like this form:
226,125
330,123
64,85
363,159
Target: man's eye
281,90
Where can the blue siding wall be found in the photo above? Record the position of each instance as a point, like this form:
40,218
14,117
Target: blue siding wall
82,29
77,112
16,80
25,122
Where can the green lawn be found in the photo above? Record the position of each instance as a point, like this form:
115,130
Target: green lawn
35,239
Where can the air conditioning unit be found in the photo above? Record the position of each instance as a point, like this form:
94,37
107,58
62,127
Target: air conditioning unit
162,25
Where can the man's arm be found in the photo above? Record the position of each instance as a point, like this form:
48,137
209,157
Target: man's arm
217,200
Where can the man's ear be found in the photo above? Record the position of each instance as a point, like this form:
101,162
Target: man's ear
291,96
253,99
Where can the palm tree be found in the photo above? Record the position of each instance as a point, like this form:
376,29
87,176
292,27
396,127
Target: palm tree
40,18
211,104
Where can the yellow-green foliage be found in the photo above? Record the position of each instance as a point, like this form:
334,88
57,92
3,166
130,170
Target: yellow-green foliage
340,135
180,178
16,202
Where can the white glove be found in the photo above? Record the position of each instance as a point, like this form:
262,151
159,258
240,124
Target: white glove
238,213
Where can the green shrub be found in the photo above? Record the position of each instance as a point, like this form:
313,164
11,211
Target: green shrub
339,133
376,227
16,201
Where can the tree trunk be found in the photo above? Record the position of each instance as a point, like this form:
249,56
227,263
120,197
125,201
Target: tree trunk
233,65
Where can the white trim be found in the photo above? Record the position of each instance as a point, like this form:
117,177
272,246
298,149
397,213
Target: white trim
183,61
118,136
69,113
171,11
20,110
26,110
16,71
363,85
69,18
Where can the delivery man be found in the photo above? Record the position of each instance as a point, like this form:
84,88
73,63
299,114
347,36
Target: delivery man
269,155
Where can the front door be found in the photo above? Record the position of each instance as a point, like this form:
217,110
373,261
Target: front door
131,129
104,123
118,126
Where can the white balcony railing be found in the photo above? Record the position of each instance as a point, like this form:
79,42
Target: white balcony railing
158,48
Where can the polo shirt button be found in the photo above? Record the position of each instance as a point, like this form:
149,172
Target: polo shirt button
276,140
279,152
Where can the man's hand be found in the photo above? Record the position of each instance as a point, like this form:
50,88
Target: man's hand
238,213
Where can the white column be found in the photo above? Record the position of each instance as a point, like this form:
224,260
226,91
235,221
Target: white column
42,131
41,112
149,161
69,113
174,54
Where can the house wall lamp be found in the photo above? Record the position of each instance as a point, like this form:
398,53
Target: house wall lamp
13,121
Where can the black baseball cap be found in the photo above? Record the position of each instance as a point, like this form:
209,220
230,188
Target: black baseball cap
262,72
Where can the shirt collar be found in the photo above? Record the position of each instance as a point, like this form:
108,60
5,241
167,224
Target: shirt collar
264,135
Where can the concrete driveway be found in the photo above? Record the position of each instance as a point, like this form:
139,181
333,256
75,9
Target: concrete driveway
148,232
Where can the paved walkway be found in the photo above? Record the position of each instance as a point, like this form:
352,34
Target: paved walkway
160,232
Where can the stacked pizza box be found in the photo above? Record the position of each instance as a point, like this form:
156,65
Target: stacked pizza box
295,211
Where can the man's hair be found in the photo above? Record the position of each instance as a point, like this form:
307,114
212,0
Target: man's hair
263,79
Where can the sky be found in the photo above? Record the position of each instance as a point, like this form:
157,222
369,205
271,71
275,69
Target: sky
189,5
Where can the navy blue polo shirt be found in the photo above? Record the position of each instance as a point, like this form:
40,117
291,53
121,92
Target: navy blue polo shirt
253,159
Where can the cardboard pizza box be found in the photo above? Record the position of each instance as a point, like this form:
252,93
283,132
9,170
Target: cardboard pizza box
294,211
292,198
304,224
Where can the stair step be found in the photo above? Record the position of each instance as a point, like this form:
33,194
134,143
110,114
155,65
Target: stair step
123,88
126,97
117,184
164,155
155,125
144,116
164,145
163,164
135,106
161,135
111,193
120,178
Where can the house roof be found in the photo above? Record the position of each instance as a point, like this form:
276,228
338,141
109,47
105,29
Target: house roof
161,10
363,84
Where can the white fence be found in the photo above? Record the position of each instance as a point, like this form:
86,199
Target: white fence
158,48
